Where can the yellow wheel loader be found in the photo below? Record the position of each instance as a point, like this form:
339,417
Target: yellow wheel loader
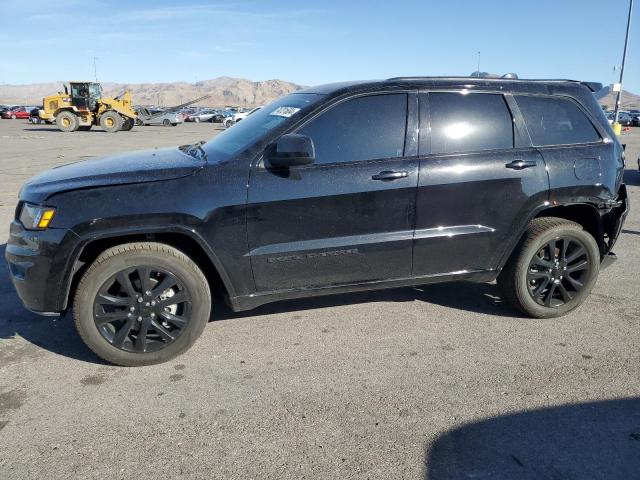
82,106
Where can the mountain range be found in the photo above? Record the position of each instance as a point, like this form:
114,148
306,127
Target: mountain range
222,91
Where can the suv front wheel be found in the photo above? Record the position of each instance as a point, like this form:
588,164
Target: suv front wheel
141,304
552,270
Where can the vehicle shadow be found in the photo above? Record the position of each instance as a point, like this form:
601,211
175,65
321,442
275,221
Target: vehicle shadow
57,335
632,177
594,440
479,298
54,129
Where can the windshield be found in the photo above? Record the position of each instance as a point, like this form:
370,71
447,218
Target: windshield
95,91
253,127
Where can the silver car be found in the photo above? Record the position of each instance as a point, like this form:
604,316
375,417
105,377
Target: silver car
150,117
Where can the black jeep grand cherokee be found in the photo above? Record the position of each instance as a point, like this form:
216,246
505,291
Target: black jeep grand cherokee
337,188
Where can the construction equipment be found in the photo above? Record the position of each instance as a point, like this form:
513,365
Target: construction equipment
82,106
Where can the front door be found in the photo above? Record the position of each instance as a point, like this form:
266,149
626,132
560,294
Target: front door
479,179
348,217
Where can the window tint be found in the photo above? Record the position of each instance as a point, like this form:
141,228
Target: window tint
464,123
555,121
363,128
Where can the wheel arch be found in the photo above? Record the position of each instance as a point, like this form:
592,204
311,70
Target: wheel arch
219,281
583,213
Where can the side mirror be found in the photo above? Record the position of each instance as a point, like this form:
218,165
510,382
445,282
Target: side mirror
292,150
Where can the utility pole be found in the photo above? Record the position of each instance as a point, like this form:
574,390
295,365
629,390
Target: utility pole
624,58
478,69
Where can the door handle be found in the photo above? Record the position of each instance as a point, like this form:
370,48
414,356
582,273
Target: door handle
389,175
521,164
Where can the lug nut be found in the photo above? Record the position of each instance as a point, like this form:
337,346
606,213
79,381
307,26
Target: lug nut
153,315
132,309
148,292
129,314
147,304
153,302
140,300
139,319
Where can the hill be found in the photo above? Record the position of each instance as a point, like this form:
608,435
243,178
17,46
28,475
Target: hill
223,91
608,98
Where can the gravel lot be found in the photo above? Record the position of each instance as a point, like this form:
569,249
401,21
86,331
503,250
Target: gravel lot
440,382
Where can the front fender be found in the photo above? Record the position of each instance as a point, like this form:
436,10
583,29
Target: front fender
126,232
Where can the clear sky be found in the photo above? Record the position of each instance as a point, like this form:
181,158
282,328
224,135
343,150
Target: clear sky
312,42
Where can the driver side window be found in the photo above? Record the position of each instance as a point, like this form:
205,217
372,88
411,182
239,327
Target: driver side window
363,128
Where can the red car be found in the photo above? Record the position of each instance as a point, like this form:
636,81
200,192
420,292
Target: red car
17,112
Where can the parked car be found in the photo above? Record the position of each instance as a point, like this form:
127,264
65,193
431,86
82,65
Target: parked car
204,115
236,117
17,112
624,118
148,116
635,117
305,198
4,108
220,116
34,116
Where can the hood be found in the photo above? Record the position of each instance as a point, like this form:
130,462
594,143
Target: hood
133,167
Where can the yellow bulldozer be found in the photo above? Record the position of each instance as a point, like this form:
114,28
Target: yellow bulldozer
81,106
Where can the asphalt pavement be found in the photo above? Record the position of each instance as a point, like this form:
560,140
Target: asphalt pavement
439,382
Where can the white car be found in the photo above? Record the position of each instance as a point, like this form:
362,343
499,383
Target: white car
239,116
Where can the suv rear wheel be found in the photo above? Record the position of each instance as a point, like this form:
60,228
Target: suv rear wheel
141,304
552,270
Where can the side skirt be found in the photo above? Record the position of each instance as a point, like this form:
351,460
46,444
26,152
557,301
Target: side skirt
248,302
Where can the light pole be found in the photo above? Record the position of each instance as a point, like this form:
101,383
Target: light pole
95,69
624,58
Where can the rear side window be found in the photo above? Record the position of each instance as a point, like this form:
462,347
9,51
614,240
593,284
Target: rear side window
363,128
555,121
469,122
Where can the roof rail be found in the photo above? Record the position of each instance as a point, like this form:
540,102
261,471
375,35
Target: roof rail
593,86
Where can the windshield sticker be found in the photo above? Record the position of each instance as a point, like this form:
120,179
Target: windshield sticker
284,111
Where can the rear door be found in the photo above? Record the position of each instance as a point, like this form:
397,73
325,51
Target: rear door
479,179
572,147
348,217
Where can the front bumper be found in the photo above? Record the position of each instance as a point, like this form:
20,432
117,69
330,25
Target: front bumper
38,263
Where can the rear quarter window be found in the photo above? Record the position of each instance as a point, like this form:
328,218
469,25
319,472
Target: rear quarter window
556,121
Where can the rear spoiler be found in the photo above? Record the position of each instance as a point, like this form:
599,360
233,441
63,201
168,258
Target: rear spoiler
593,86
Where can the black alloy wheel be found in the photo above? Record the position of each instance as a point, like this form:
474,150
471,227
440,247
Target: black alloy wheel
142,309
558,271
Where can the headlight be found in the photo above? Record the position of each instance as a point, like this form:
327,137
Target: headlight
35,217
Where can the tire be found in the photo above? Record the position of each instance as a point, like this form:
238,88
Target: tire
228,123
196,119
84,128
13,117
174,124
134,257
139,122
111,121
544,255
67,121
166,122
128,124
